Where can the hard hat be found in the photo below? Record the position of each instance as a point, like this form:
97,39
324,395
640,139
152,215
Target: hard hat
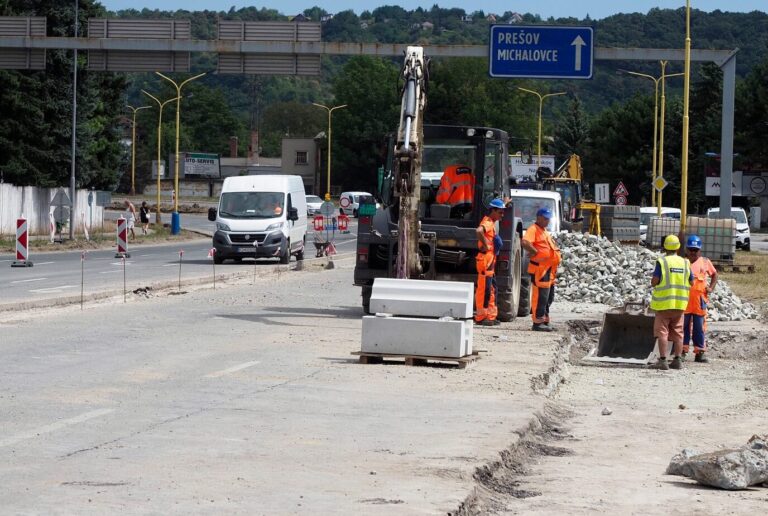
671,243
497,203
544,212
694,242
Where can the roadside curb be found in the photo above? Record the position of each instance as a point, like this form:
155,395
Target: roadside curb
160,286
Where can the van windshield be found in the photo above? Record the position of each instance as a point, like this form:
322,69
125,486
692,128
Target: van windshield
737,215
252,205
526,208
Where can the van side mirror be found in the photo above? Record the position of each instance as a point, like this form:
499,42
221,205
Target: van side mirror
293,214
212,212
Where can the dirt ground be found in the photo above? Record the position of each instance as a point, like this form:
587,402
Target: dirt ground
583,462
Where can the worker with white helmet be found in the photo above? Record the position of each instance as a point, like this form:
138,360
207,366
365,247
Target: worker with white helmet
671,284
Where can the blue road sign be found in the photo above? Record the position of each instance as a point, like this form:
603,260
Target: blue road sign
541,52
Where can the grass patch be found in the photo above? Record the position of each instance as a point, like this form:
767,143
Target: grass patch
106,240
750,286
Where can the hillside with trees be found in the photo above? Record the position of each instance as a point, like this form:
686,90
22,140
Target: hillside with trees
608,119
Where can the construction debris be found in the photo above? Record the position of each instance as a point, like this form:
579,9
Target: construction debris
727,469
596,270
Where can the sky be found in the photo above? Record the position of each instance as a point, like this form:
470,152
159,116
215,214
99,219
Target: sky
557,8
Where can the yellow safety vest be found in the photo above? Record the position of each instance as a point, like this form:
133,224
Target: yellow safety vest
673,291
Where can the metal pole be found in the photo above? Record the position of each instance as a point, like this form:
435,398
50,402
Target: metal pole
726,151
133,155
662,122
541,115
654,170
686,120
328,188
72,184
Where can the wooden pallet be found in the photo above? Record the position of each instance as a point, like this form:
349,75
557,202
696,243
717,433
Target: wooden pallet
414,360
732,267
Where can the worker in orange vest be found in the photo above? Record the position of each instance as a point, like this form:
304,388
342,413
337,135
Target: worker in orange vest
485,293
457,187
544,260
695,318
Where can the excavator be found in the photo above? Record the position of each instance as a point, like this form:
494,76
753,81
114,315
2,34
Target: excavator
413,236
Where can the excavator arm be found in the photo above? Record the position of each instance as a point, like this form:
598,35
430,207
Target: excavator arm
408,157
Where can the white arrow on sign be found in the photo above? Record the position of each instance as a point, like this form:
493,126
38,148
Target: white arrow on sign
579,44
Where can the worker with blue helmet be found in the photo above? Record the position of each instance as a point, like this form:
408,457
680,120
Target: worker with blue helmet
488,244
695,316
544,258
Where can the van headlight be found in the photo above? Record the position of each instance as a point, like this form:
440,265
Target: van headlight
222,227
276,225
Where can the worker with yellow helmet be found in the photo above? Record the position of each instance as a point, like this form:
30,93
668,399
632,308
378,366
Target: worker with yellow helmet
671,284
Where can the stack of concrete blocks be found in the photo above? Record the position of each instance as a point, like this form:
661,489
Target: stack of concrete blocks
419,318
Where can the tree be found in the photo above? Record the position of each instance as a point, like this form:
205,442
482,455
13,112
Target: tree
572,132
368,86
36,111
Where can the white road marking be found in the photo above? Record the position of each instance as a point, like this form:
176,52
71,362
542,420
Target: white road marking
27,280
170,265
47,429
51,289
110,272
232,369
144,255
44,263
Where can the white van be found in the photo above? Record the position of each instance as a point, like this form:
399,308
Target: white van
742,225
647,212
260,217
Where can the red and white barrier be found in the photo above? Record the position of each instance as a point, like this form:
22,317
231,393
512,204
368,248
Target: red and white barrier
122,238
22,244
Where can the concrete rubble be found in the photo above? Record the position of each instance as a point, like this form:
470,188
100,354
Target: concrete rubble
596,270
730,469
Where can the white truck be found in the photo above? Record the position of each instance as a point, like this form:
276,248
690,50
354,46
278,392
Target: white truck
260,217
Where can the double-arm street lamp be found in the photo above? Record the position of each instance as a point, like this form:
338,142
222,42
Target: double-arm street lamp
330,112
160,105
658,128
176,218
541,111
133,146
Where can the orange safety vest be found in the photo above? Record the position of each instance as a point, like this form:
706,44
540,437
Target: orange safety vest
699,298
547,255
485,260
456,186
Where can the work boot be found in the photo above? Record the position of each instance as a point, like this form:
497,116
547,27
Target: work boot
661,364
676,363
496,322
684,356
542,327
487,322
701,358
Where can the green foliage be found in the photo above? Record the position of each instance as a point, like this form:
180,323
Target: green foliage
368,87
572,132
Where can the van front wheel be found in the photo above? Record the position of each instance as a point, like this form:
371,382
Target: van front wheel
285,256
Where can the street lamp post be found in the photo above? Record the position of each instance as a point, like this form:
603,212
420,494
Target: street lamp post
176,218
330,111
541,112
658,129
72,182
686,106
161,105
133,147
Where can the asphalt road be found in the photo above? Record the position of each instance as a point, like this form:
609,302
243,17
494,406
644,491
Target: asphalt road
245,400
59,274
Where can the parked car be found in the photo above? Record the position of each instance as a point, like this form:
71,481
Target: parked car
651,211
349,202
313,204
260,217
742,225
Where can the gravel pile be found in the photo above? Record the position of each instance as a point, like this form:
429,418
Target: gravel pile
596,270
